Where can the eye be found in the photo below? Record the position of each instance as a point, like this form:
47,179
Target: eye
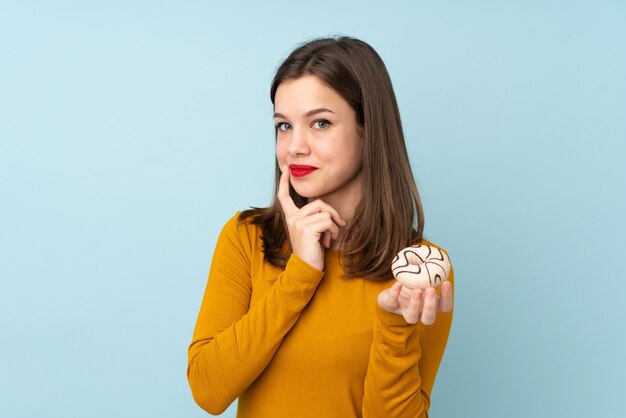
321,124
283,126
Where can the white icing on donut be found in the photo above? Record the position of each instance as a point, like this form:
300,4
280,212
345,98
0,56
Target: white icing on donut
421,266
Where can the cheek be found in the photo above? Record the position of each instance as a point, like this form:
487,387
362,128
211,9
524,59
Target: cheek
281,151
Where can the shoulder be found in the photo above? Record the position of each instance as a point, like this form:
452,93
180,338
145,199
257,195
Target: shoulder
241,232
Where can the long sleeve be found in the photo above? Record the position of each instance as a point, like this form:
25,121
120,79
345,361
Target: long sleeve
403,363
233,342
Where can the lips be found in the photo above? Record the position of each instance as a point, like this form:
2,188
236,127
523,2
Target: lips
299,170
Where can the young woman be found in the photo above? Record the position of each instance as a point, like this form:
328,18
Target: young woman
301,316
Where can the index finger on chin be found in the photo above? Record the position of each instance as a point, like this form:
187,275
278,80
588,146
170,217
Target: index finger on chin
286,202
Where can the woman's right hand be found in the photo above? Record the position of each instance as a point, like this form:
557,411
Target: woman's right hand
311,228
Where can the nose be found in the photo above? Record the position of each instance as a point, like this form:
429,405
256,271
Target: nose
298,143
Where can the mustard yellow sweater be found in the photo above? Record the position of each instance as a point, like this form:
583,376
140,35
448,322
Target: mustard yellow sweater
298,342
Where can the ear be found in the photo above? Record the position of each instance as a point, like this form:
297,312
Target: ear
360,130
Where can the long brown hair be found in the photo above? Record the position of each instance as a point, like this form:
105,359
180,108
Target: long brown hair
390,215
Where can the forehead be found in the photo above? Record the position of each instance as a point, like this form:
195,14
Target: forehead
305,93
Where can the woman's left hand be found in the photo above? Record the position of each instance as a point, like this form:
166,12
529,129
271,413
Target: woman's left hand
416,304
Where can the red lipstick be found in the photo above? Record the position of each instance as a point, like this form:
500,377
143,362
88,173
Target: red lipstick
299,170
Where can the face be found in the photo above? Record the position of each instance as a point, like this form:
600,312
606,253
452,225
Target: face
319,139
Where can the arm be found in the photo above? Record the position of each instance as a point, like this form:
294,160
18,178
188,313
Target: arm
403,363
232,344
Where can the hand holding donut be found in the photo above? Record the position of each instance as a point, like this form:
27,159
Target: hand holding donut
418,270
311,228
416,305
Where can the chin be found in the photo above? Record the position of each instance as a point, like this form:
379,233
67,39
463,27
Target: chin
304,193
307,193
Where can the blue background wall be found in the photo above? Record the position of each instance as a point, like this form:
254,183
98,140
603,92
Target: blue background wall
131,131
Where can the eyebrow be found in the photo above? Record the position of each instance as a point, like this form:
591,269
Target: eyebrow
307,114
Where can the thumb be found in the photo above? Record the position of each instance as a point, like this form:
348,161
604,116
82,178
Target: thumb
388,298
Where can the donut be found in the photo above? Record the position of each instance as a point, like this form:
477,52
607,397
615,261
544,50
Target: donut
421,266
